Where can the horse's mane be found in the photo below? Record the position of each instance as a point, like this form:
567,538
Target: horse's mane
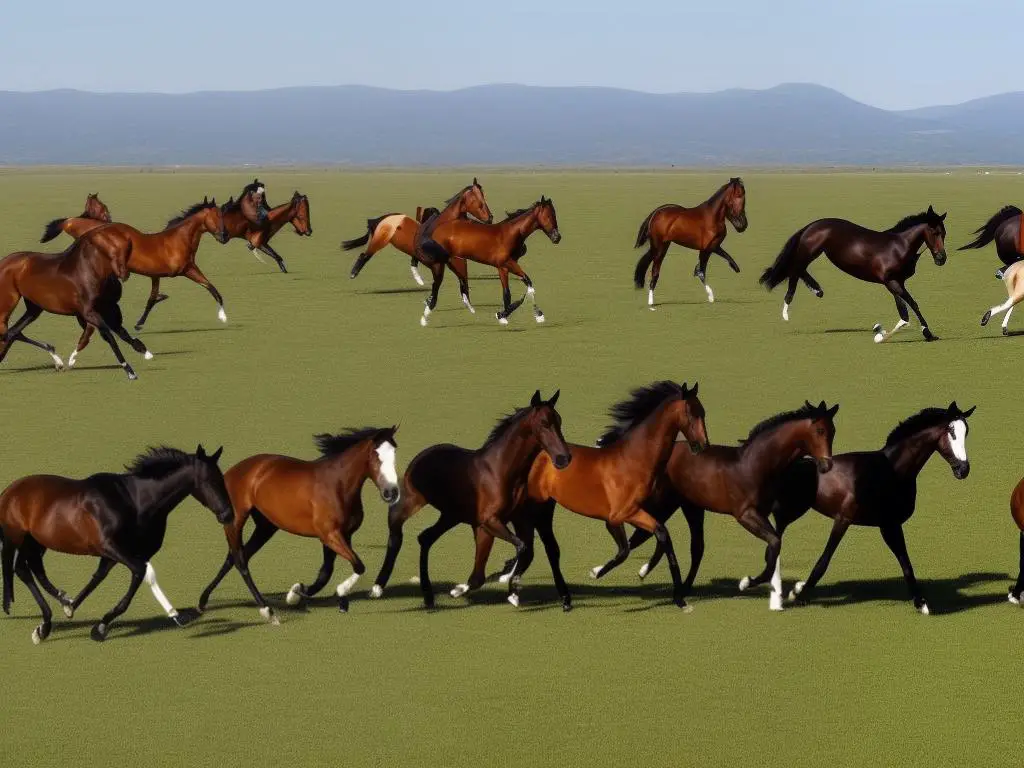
458,194
909,221
640,404
509,215
929,417
803,412
721,189
158,462
335,445
191,212
503,425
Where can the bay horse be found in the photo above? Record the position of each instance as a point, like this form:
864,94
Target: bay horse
399,231
876,488
237,224
889,258
84,281
319,499
701,228
119,518
480,488
498,245
735,480
1004,229
613,481
95,210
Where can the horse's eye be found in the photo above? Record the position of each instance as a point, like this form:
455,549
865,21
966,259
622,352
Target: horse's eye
821,430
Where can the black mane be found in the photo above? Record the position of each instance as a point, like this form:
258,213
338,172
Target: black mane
191,212
929,417
158,462
509,215
910,221
504,424
335,445
458,194
640,404
803,412
721,189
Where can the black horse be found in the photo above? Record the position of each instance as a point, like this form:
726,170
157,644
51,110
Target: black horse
875,488
889,258
1004,229
117,518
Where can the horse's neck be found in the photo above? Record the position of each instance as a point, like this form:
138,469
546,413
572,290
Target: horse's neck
454,210
341,472
775,449
281,215
914,238
716,204
514,452
653,439
522,227
156,497
909,456
191,231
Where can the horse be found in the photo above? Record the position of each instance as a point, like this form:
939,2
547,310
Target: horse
1013,278
83,281
117,518
257,236
612,481
400,231
701,228
480,488
735,480
95,210
875,488
498,245
319,499
889,258
1004,228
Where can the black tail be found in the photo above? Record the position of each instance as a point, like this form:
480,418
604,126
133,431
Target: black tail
640,273
53,229
7,566
645,230
779,271
987,233
371,227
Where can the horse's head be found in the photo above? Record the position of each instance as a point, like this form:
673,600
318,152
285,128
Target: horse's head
546,425
548,219
953,442
819,430
300,218
736,204
210,489
212,217
95,209
691,419
382,465
474,202
935,235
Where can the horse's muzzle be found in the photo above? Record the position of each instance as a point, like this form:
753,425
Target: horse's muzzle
940,258
390,494
225,516
824,465
562,460
696,447
961,470
556,236
740,222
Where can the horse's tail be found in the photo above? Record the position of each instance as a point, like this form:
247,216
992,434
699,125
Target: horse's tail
780,270
371,227
7,567
987,232
53,229
645,230
640,273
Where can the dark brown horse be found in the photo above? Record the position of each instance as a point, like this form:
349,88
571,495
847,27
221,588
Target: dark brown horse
877,489
95,210
257,236
497,245
1004,229
735,480
480,488
399,230
889,258
83,281
320,499
702,229
117,518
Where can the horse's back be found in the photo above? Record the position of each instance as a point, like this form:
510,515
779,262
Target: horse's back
283,489
57,512
446,476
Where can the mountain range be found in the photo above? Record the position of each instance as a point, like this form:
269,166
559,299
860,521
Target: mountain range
495,125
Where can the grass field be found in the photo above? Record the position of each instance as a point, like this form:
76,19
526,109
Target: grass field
855,678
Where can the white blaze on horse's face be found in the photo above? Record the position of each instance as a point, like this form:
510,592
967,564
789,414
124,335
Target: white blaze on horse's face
958,439
386,454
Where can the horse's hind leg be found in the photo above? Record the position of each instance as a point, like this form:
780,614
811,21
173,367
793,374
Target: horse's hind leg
762,528
484,543
516,270
102,571
426,541
298,592
813,285
700,272
274,255
431,302
24,572
882,335
835,537
94,318
193,273
46,347
34,554
893,537
659,252
15,333
544,521
155,297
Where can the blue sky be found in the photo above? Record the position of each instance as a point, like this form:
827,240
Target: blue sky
889,53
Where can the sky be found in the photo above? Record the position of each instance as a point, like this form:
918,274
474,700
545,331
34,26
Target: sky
895,54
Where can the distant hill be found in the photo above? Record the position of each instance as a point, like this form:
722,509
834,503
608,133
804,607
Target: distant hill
501,125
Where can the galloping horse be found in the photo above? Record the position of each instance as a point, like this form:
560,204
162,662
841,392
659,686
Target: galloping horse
702,229
1004,228
400,231
498,245
876,488
83,281
257,236
735,480
320,499
480,488
117,518
889,258
95,210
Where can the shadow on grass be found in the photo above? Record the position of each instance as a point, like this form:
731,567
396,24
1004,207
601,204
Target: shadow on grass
219,328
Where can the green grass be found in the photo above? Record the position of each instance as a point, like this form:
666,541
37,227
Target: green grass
856,678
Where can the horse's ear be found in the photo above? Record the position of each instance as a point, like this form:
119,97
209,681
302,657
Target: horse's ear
694,390
807,403
821,406
931,211
217,454
205,201
833,411
554,398
943,216
535,401
475,182
967,414
200,453
953,407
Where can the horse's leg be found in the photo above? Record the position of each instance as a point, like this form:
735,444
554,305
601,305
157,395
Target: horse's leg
115,321
525,530
15,333
300,591
409,503
642,519
426,539
729,259
506,298
155,297
274,255
812,284
659,256
458,266
497,528
695,519
700,272
83,341
484,542
893,537
48,348
193,273
35,561
24,572
839,528
516,270
544,520
618,534
901,307
752,520
1015,591
138,569
95,318
161,598
102,571
437,270
899,289
261,534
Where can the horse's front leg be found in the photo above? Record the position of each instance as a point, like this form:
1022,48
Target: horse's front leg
700,272
729,259
431,302
155,297
899,290
506,298
516,270
274,255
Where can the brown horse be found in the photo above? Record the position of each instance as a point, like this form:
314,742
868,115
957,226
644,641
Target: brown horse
237,224
319,499
701,228
480,488
83,281
95,210
497,245
741,481
117,518
399,230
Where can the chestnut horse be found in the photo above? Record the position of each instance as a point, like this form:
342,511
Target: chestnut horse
257,236
735,480
83,281
480,488
319,499
877,489
1004,229
702,229
95,210
400,231
498,245
889,258
117,518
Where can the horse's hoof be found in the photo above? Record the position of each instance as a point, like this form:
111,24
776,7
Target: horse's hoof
539,317
595,572
69,610
283,268
711,294
1014,599
502,321
148,355
514,599
820,294
99,632
686,608
343,605
180,620
295,594
929,336
428,602
923,609
268,615
566,604
132,375
985,318
879,337
775,602
744,583
505,578
222,315
138,327
459,590
40,633
644,570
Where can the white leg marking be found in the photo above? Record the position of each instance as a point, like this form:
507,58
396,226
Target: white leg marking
958,442
222,315
159,593
502,321
650,299
775,600
414,580
797,589
294,596
505,578
1006,318
459,590
924,610
346,586
644,570
711,294
72,359
148,355
416,275
377,592
595,571
532,293
269,615
785,311
57,362
1012,599
36,637
744,583
514,599
469,305
1002,307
